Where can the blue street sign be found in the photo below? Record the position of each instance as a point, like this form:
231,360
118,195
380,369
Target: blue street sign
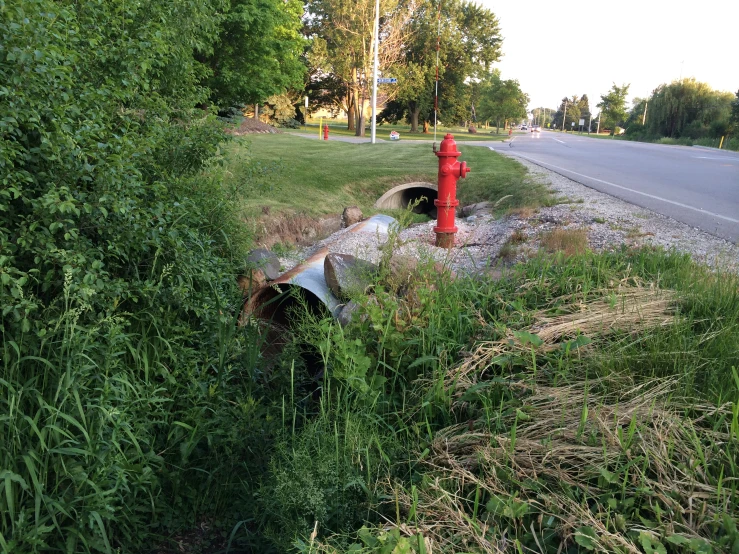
386,80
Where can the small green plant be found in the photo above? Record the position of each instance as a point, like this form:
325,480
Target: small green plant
508,252
283,249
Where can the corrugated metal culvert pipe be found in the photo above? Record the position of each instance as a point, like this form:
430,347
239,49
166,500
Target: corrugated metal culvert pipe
273,302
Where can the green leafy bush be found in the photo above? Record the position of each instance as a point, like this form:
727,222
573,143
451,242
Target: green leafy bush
122,370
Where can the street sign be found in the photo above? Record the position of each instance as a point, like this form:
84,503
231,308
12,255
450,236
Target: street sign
387,80
582,122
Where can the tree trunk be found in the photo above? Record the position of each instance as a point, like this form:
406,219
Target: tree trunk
414,109
256,111
362,123
361,115
497,127
350,122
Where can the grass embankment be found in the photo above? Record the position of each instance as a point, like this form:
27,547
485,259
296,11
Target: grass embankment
318,178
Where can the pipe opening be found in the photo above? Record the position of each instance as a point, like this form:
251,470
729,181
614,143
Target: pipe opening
402,196
280,306
424,197
277,304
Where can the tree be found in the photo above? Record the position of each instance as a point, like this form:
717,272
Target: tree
103,202
687,107
256,53
569,110
734,118
501,100
584,105
469,43
543,116
613,107
342,44
416,68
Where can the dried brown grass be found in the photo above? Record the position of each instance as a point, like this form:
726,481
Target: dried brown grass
568,241
569,438
518,237
633,307
628,309
524,212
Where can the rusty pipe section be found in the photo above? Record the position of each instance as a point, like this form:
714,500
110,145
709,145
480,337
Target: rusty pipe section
273,300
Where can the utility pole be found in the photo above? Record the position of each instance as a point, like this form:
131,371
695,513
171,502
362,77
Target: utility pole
564,117
590,122
374,72
644,117
597,131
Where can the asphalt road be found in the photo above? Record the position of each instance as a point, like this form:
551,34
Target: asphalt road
697,186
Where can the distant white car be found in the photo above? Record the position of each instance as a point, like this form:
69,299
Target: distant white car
536,129
524,127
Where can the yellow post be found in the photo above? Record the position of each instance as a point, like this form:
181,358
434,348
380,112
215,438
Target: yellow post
720,144
320,126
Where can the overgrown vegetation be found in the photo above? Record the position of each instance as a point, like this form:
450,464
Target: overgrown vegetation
124,392
581,403
585,402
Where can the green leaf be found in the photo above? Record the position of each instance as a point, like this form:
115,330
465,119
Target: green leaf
586,537
650,544
579,342
525,338
678,540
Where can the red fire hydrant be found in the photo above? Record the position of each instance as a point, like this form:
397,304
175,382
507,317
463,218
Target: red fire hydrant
450,169
325,132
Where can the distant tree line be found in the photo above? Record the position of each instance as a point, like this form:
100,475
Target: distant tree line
685,109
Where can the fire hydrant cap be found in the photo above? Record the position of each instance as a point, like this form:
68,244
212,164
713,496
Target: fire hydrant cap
448,147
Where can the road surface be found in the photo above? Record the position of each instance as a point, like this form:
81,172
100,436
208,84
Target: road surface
697,186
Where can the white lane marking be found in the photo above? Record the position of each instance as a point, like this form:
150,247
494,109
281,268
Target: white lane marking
726,159
559,141
686,206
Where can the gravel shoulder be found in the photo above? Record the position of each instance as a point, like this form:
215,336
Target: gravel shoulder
610,223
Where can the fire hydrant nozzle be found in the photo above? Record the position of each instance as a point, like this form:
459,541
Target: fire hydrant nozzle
450,169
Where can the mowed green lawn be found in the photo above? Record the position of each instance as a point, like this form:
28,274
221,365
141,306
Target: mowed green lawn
461,134
296,174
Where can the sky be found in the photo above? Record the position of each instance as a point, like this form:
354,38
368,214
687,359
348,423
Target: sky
558,49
